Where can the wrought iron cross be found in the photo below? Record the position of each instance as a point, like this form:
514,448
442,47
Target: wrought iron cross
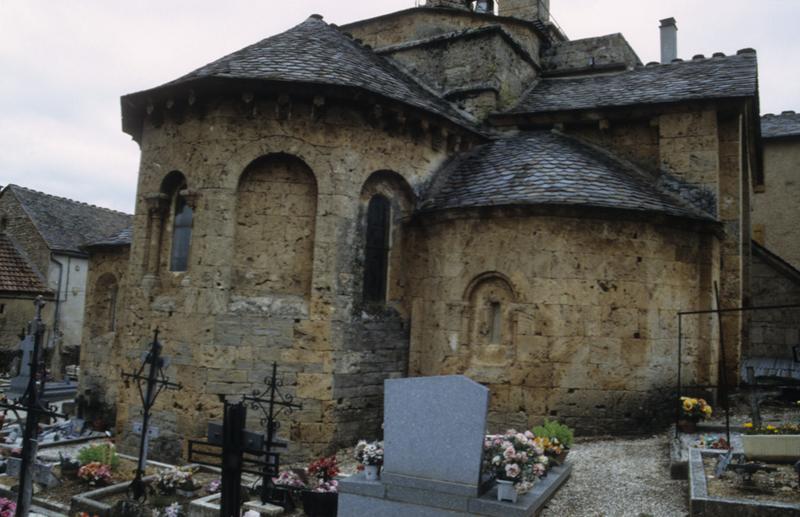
150,385
35,407
271,402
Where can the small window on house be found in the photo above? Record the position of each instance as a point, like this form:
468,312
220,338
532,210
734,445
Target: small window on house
376,259
181,235
3,223
2,308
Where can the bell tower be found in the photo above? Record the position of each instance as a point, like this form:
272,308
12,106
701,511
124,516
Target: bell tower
530,10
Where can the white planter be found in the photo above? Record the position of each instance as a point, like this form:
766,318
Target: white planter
506,491
764,447
372,472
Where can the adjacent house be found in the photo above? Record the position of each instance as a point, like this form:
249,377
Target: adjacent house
47,233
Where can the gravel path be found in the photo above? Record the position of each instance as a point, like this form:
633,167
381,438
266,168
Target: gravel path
620,478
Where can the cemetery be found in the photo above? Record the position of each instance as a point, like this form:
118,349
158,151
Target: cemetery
434,457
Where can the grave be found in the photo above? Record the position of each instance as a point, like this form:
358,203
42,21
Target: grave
53,390
434,429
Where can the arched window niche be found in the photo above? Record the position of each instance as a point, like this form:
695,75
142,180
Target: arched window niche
376,249
491,300
180,220
386,201
103,314
276,213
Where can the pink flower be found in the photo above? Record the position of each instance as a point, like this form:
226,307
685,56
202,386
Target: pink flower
510,453
512,470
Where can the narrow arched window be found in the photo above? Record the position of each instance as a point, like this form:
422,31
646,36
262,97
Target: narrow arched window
112,308
376,259
181,234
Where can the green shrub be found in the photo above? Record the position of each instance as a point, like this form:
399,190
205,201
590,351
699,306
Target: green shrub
104,453
552,429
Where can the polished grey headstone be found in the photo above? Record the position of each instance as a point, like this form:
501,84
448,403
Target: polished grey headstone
433,430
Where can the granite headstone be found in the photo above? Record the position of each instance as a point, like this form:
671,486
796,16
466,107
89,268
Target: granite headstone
433,431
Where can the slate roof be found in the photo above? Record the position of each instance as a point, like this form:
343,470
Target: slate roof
64,224
780,126
317,53
16,276
121,238
549,168
713,78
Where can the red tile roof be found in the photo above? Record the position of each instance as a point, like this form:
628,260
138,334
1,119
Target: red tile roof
16,275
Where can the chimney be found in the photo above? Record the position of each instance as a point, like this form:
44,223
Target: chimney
669,40
530,10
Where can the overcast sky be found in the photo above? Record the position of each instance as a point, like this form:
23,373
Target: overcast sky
64,65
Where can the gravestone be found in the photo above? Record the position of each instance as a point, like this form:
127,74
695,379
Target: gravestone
434,429
42,472
433,433
19,384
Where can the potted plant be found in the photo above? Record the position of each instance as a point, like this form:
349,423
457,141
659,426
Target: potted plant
516,460
69,467
772,443
692,411
556,439
285,486
370,456
321,497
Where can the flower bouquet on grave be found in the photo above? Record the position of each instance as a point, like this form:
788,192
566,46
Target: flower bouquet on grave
95,473
370,458
516,460
285,487
556,440
321,497
8,508
178,480
692,411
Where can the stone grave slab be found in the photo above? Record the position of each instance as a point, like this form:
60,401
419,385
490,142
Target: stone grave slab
42,472
433,432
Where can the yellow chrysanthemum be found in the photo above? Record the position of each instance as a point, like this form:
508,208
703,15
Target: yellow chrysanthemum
748,425
771,428
687,405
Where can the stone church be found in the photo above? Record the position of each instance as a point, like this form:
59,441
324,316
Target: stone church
456,188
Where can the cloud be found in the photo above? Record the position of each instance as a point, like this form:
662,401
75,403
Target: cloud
65,65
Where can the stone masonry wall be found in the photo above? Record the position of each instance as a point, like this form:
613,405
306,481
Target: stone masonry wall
584,54
471,63
100,367
15,315
774,333
20,228
420,24
777,207
590,334
224,345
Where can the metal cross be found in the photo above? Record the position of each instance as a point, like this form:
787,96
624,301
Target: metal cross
271,402
150,385
35,407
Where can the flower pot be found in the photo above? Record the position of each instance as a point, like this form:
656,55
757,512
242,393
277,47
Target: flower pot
765,447
187,493
687,425
372,472
506,491
320,504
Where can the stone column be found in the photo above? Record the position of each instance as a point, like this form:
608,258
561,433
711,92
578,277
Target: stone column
157,205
